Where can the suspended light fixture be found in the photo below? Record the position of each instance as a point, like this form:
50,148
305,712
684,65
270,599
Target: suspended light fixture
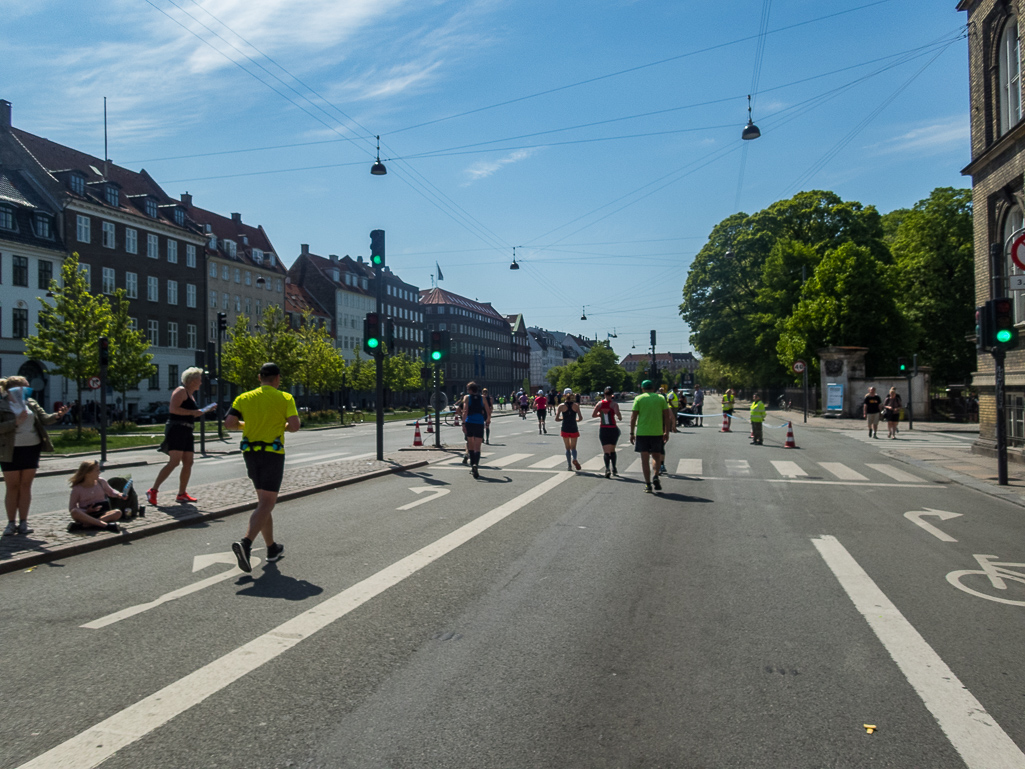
514,266
583,314
750,130
378,169
729,253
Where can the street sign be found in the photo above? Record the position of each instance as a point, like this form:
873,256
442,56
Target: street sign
439,401
1016,282
799,366
94,383
1018,252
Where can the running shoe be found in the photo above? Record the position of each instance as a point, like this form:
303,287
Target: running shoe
614,472
275,552
474,472
241,552
576,464
11,530
466,460
662,469
185,498
75,526
151,497
647,488
23,528
113,528
656,483
608,473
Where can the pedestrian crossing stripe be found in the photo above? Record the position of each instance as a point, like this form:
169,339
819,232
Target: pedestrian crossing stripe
893,472
549,462
689,467
509,460
595,463
843,472
789,469
738,467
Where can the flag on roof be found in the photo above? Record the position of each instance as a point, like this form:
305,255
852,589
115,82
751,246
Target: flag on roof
438,268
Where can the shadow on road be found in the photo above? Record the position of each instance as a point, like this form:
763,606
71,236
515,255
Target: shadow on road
680,497
273,584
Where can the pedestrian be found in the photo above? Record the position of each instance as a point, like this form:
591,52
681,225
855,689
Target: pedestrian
524,404
757,417
662,391
727,408
23,438
541,407
263,415
649,430
89,505
179,442
607,410
569,414
871,409
491,408
674,402
476,415
699,404
891,411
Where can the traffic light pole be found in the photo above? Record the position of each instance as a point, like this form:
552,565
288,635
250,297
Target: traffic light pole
103,416
437,411
998,360
379,364
220,422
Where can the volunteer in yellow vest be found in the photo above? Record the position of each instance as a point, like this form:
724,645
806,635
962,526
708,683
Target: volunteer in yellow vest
264,415
727,407
757,417
674,404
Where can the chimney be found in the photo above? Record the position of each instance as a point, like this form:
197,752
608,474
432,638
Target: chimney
5,113
334,257
305,249
186,199
237,218
359,259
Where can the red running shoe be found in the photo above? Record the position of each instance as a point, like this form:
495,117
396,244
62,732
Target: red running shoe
185,498
151,497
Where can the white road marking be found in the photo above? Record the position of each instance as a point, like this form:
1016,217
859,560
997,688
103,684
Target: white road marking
459,460
435,493
181,592
915,516
897,475
594,463
315,459
95,745
689,467
738,467
509,460
843,472
788,469
549,462
970,729
636,467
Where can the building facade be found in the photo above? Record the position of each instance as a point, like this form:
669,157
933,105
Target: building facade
996,169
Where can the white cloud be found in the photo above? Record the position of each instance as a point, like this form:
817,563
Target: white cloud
485,168
951,134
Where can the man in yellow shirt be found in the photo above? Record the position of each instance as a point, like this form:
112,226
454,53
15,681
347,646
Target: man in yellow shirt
264,415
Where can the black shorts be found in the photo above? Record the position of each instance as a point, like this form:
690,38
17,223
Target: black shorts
541,413
474,430
608,435
179,437
24,458
652,444
265,469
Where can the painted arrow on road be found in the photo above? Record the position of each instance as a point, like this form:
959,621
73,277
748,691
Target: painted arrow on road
421,490
915,516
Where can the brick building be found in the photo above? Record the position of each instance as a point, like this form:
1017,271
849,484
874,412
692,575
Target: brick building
996,168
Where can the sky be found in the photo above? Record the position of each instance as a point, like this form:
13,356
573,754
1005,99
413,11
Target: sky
600,139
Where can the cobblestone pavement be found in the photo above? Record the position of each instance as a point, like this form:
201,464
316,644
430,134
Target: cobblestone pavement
51,539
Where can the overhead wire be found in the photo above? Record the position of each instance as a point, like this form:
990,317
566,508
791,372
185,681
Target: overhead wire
753,92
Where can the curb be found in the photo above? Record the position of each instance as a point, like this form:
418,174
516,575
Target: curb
77,548
1015,498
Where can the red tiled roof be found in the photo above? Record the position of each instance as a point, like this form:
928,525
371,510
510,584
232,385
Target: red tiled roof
227,228
298,300
441,296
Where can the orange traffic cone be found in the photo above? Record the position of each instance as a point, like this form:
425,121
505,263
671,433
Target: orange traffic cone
456,421
725,423
791,443
417,440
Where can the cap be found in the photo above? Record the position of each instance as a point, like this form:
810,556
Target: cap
540,392
567,391
647,384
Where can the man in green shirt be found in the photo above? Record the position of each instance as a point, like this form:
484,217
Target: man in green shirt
650,424
264,415
757,417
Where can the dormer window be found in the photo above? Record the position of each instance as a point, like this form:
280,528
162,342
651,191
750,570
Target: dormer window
212,243
43,226
77,183
258,256
270,258
6,218
112,195
230,248
151,208
179,217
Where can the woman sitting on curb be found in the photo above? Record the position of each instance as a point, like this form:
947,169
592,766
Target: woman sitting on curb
89,505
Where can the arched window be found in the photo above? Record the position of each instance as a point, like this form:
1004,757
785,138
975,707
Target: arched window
1013,223
1010,76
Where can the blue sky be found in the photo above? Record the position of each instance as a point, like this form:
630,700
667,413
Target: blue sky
601,138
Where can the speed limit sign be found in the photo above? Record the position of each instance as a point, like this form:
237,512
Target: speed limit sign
799,366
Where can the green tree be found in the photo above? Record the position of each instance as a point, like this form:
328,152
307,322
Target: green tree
318,367
597,369
933,250
68,330
361,374
130,359
275,341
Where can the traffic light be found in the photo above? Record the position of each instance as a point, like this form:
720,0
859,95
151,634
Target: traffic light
377,248
372,334
389,335
437,346
104,345
902,364
652,339
222,322
1005,335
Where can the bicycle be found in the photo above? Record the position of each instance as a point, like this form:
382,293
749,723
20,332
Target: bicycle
998,574
783,404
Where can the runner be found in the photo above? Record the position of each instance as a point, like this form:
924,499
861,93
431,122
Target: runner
569,413
608,434
553,401
524,404
263,414
541,407
491,408
668,399
649,422
476,414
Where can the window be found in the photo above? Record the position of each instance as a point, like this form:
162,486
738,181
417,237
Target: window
131,240
225,273
238,275
43,226
213,331
172,251
238,303
153,289
77,183
213,270
172,293
108,280
132,285
112,195
1010,77
153,332
6,218
172,376
108,235
249,305
190,256
213,299
151,208
259,312
225,300
231,248
83,233
249,278
133,324
258,256
45,274
154,381
152,246
20,276
190,294
191,340
172,337
179,217
277,285
19,327
87,276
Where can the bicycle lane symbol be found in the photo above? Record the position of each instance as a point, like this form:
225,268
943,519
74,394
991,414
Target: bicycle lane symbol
999,575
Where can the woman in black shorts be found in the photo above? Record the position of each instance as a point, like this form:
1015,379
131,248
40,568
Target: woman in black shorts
569,414
22,439
608,433
179,442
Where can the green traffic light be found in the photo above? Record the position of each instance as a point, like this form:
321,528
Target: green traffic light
376,259
436,355
373,343
1003,335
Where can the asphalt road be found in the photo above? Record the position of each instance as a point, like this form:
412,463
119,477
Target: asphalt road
758,613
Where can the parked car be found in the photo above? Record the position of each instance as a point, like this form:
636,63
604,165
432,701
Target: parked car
154,415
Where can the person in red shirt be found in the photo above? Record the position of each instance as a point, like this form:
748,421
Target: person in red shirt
541,407
608,431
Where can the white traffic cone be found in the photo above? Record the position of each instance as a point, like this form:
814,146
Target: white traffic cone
417,440
430,426
725,423
791,443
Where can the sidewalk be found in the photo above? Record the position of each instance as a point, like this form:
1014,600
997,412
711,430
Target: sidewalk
51,540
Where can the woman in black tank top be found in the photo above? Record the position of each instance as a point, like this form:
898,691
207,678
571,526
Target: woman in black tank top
569,414
608,432
179,442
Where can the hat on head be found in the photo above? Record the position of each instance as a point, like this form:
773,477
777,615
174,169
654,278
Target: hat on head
567,391
647,384
540,392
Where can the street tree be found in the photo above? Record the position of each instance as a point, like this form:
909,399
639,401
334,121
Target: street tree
318,366
68,329
274,341
130,358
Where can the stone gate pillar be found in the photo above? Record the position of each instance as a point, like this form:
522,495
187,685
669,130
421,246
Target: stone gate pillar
843,366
